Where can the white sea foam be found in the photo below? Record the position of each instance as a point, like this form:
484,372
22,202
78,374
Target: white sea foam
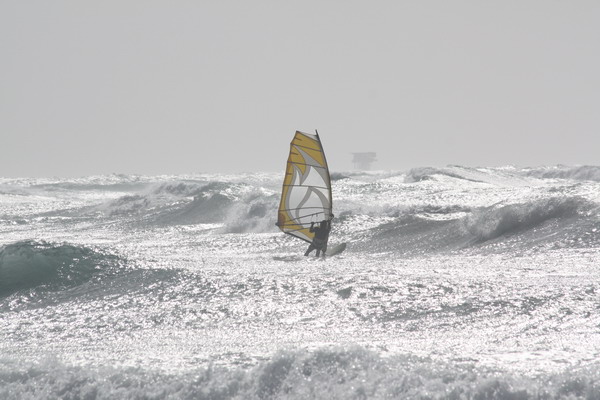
457,282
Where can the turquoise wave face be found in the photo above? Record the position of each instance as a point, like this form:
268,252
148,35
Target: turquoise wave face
44,266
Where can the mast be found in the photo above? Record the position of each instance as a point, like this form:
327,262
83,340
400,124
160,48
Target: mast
328,175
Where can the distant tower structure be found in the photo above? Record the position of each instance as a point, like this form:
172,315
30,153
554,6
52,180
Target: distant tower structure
363,161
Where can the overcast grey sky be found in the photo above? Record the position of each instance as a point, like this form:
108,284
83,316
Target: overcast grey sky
156,87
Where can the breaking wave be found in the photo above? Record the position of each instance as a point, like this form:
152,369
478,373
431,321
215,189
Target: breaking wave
327,373
491,223
238,207
556,221
427,173
239,210
253,213
155,197
31,264
503,176
577,173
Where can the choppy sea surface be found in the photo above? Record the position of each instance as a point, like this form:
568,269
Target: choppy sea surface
458,283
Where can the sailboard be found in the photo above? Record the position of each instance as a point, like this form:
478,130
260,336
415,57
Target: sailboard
306,193
335,250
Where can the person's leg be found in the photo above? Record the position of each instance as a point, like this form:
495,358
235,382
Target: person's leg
324,249
310,248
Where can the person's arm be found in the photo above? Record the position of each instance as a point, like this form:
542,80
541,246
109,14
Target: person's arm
312,227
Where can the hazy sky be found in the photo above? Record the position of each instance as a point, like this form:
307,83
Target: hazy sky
151,87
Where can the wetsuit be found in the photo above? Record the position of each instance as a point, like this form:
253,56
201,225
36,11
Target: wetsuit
320,240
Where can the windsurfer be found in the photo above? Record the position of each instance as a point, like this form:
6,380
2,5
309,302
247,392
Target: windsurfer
321,232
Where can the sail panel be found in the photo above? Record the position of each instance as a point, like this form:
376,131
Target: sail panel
306,193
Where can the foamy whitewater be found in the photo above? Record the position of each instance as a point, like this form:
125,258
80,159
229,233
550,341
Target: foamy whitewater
458,283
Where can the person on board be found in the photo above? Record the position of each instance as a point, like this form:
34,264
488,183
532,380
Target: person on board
321,232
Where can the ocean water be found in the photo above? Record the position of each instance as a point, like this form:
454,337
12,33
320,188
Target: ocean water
457,283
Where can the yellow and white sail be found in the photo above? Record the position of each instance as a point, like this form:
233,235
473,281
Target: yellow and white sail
306,193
